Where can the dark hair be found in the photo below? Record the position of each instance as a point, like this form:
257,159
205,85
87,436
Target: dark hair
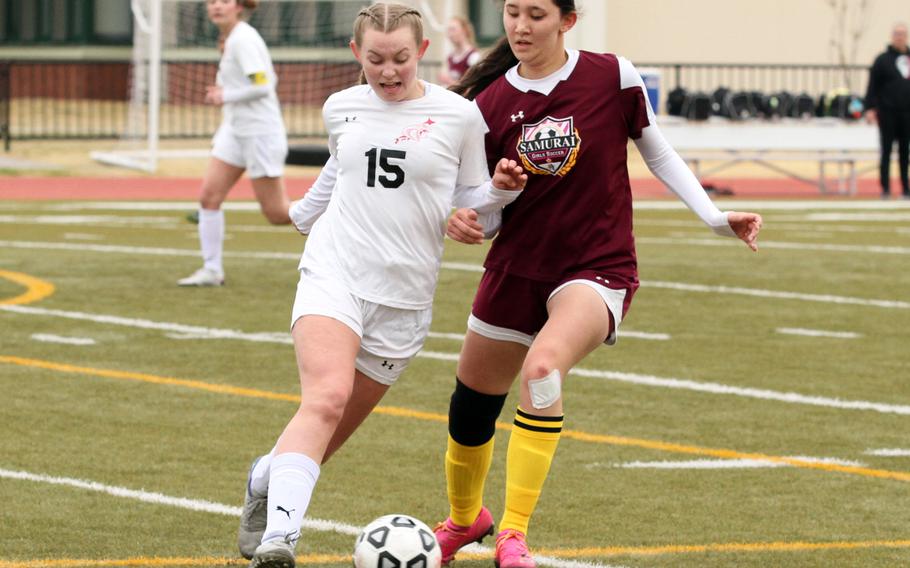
497,61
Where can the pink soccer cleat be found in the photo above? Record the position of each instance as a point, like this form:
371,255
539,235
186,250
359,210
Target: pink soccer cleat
512,550
452,537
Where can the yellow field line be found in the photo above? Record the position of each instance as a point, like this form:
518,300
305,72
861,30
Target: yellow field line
35,289
589,552
145,562
797,546
430,416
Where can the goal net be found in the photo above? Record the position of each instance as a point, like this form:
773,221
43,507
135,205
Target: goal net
175,56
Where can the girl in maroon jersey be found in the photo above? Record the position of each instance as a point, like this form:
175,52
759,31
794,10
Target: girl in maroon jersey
464,54
548,298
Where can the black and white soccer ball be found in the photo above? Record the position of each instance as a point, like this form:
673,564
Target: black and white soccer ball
397,541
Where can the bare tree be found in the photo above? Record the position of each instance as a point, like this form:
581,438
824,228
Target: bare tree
850,19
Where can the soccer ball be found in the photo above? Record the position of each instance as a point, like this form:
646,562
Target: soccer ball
397,541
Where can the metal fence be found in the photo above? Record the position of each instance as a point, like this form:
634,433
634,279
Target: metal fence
90,99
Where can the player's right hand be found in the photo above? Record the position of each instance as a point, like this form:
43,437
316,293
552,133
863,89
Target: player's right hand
509,175
464,228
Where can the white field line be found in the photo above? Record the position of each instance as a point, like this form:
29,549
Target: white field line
203,506
811,205
625,333
729,464
83,237
798,224
890,304
782,205
713,242
192,331
818,333
824,298
889,217
185,206
873,249
115,220
761,394
889,452
671,204
127,222
155,251
51,338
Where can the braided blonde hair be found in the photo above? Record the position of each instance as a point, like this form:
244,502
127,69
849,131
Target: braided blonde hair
387,17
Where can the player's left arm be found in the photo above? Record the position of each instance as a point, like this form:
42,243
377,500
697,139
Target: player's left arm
480,207
254,65
257,88
667,165
480,204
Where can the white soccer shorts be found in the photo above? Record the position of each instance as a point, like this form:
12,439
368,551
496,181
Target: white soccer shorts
261,156
389,337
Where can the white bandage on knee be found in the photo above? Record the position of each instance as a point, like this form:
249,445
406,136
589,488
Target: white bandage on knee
546,391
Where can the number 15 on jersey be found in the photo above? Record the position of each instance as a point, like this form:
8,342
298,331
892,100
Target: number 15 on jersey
392,174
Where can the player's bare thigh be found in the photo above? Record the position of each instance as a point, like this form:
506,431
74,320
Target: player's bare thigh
489,366
325,350
273,199
366,395
578,323
219,178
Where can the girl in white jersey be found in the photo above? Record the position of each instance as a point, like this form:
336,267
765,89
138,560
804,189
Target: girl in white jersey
251,137
403,152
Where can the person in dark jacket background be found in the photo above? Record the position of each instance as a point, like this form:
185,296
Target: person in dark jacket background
888,104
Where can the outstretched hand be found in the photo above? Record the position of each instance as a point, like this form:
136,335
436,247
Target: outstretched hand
463,227
746,226
509,175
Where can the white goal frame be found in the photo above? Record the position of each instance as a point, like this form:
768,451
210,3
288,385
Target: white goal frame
144,113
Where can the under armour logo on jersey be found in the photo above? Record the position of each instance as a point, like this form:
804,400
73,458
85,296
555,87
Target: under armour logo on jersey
388,365
519,116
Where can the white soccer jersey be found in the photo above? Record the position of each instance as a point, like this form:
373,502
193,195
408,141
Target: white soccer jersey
255,111
400,169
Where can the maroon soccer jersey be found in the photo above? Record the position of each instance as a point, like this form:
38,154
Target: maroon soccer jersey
458,66
576,211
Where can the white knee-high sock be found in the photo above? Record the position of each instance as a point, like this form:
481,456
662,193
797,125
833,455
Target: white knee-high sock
211,238
292,478
259,476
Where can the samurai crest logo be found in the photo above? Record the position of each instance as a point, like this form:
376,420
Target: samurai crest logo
549,147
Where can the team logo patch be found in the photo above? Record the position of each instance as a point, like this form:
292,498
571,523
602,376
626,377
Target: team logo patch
549,147
415,133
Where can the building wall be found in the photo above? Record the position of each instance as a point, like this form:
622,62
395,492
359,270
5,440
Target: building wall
736,31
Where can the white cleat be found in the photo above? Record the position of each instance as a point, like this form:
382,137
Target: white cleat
253,519
274,554
203,277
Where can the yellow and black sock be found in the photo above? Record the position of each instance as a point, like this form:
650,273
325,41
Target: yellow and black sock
472,426
531,448
466,472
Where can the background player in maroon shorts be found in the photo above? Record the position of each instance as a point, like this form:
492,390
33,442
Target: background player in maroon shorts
562,271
